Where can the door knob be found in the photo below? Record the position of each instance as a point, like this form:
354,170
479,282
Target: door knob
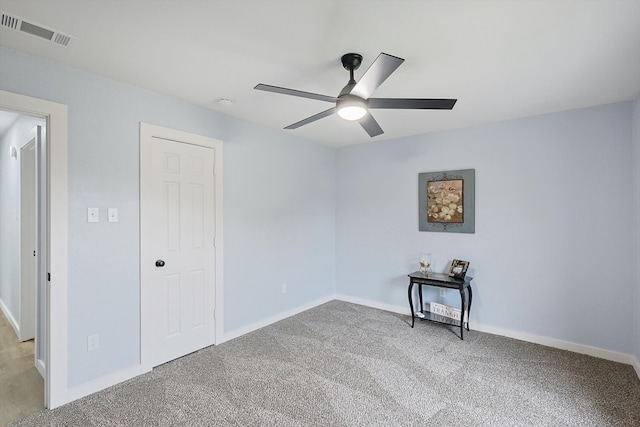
159,263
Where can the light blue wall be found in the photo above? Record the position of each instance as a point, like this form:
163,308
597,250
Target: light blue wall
15,136
551,254
279,196
279,213
553,216
636,219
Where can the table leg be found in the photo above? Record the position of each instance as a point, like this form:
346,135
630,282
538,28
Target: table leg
462,304
469,309
413,318
420,293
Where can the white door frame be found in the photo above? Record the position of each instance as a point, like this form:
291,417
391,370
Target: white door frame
56,379
28,265
148,131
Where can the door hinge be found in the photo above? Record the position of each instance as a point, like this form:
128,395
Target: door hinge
48,277
34,253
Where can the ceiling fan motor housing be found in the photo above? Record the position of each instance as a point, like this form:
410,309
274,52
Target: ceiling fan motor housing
351,61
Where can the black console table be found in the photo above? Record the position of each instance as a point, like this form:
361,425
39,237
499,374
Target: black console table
442,281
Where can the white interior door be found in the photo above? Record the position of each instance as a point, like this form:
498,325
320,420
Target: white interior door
178,247
28,241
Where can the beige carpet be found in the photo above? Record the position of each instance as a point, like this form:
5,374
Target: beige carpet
342,364
21,386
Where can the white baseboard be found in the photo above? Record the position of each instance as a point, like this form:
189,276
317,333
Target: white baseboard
40,368
275,318
12,321
522,336
560,344
636,365
374,304
102,383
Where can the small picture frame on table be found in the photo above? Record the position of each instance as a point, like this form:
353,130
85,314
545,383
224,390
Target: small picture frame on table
458,269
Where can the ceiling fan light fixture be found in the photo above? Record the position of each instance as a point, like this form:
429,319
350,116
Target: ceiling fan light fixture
351,108
352,112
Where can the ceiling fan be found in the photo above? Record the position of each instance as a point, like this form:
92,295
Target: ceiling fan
354,102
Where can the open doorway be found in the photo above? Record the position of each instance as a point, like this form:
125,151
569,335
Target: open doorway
53,235
23,199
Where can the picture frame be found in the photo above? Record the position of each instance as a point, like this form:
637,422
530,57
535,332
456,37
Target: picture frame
446,201
458,269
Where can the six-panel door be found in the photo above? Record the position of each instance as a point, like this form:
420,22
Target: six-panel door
178,230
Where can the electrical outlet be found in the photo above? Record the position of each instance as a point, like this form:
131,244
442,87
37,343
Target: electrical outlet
93,342
443,293
284,288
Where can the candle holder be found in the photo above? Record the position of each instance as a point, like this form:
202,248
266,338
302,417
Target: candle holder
425,264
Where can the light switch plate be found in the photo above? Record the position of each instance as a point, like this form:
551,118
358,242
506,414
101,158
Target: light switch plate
93,215
113,215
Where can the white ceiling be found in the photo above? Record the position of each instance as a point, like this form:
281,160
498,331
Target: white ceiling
501,59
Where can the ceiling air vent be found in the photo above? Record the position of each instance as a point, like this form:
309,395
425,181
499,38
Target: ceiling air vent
16,23
10,21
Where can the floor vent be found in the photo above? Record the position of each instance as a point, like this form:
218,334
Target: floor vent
16,23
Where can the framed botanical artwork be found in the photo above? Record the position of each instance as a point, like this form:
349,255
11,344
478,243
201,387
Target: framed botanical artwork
458,269
447,201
